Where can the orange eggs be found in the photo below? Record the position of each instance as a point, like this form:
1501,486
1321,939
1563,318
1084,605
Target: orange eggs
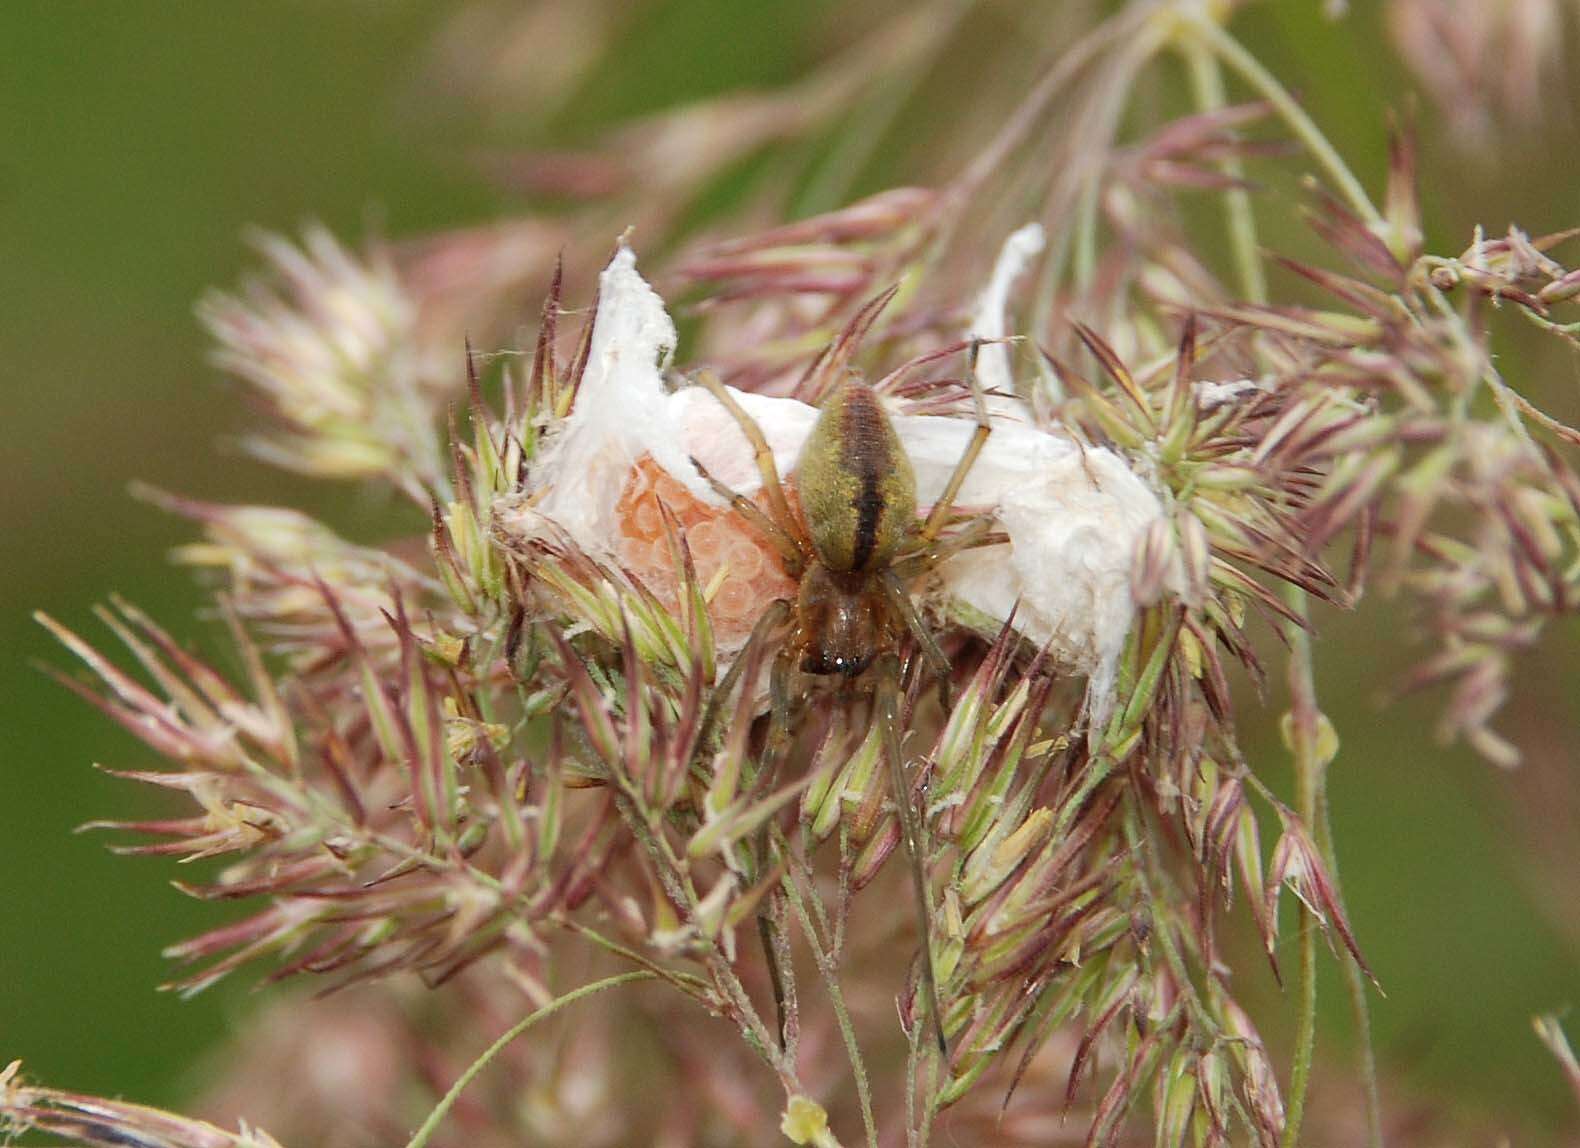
719,540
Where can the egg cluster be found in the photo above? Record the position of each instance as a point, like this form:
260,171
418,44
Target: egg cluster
719,539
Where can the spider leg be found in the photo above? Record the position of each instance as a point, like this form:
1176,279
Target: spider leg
790,551
772,619
780,704
769,930
886,695
771,933
940,511
747,663
978,533
763,455
900,602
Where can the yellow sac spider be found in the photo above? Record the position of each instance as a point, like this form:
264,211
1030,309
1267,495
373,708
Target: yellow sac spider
853,551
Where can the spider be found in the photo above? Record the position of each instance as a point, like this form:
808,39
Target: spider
854,548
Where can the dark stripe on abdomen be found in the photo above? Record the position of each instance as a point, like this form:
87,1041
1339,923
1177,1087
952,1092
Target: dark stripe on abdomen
869,512
866,458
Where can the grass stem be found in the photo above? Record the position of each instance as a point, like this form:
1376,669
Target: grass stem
1208,87
423,1134
836,996
1234,55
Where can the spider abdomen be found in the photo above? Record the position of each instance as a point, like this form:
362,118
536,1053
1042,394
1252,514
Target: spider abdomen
855,483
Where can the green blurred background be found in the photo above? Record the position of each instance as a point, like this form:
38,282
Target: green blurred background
139,138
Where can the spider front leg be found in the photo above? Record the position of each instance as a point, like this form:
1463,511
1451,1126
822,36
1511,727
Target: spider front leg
780,704
977,534
905,609
886,698
744,671
770,931
937,516
790,551
774,617
779,512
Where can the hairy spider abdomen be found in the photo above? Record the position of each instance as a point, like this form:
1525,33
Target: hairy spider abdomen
857,489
